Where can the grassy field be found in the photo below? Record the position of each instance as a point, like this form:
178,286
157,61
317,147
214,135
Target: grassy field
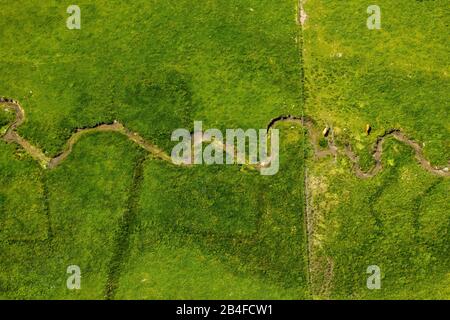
161,68
158,69
214,233
396,77
86,197
22,199
398,221
142,228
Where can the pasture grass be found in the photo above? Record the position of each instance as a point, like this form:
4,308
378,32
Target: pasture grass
220,232
396,77
140,228
398,220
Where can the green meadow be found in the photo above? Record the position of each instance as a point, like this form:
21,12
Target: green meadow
155,66
398,221
143,228
219,233
396,77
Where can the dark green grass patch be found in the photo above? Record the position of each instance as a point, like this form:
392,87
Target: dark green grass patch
6,117
23,213
87,197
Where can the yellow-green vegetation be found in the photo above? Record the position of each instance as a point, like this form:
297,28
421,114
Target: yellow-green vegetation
396,77
86,198
220,233
140,227
22,197
398,221
156,66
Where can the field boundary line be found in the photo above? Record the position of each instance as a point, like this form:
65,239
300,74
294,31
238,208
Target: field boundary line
124,231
